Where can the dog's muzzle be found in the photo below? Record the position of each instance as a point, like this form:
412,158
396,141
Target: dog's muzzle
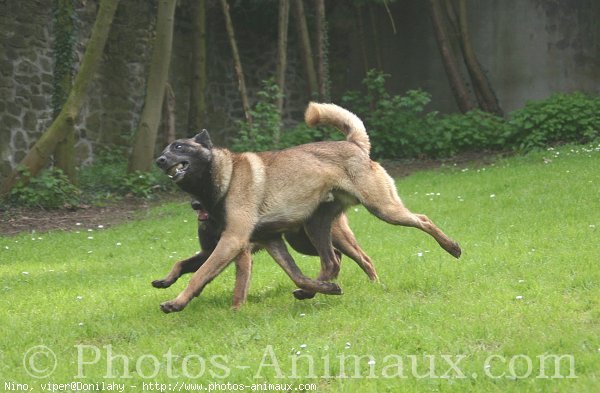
176,171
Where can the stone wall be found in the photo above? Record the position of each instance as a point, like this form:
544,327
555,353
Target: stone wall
26,76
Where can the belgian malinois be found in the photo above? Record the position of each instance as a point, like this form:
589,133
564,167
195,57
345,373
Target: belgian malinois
254,197
342,237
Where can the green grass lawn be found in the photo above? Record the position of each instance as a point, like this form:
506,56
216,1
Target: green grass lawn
519,312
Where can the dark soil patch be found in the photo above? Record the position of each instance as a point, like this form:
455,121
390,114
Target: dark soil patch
21,220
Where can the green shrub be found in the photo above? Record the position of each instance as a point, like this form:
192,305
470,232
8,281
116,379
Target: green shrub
399,127
102,177
264,132
561,118
50,189
107,177
451,134
396,125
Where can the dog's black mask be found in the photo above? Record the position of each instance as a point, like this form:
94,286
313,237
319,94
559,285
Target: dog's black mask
185,161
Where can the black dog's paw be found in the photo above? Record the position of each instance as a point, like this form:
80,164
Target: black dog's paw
333,289
171,306
161,284
301,294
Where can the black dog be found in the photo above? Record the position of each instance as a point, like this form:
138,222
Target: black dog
209,234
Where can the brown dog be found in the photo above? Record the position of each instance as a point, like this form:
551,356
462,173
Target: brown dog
254,197
342,238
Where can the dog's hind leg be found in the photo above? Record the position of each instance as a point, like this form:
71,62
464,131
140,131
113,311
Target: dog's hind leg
344,240
278,251
243,271
377,192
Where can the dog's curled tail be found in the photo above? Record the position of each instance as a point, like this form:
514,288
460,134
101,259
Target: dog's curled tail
343,119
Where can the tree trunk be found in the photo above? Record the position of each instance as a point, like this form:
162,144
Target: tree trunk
284,13
237,62
360,23
38,155
376,39
64,29
457,83
322,51
169,114
306,49
197,109
486,94
145,138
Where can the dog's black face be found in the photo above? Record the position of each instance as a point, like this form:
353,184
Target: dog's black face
186,160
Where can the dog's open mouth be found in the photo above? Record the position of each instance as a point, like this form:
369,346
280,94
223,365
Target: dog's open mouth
176,172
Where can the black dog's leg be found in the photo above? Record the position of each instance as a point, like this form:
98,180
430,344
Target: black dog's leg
208,237
318,229
189,265
278,251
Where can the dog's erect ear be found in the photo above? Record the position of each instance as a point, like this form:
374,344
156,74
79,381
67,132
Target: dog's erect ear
203,139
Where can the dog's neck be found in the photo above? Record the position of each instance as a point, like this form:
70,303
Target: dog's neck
221,169
211,187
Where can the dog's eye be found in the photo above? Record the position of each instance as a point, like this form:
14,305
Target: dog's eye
178,147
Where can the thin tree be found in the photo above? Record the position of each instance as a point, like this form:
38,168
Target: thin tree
37,157
360,24
376,39
64,30
322,51
145,136
237,62
169,115
484,91
306,48
197,109
457,83
282,39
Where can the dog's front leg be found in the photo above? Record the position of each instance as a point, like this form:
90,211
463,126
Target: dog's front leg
243,271
189,265
227,249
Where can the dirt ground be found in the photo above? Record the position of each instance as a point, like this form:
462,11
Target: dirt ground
16,221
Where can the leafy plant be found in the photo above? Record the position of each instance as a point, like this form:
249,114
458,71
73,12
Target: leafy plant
397,125
107,177
449,135
264,131
141,184
560,118
49,190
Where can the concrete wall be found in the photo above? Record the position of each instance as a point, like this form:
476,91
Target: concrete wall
530,49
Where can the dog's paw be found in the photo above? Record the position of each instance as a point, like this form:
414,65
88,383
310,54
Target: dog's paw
332,288
301,294
171,306
161,284
455,250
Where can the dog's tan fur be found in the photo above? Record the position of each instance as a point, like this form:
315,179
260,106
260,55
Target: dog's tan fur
273,191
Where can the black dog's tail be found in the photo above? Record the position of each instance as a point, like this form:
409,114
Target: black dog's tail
343,119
